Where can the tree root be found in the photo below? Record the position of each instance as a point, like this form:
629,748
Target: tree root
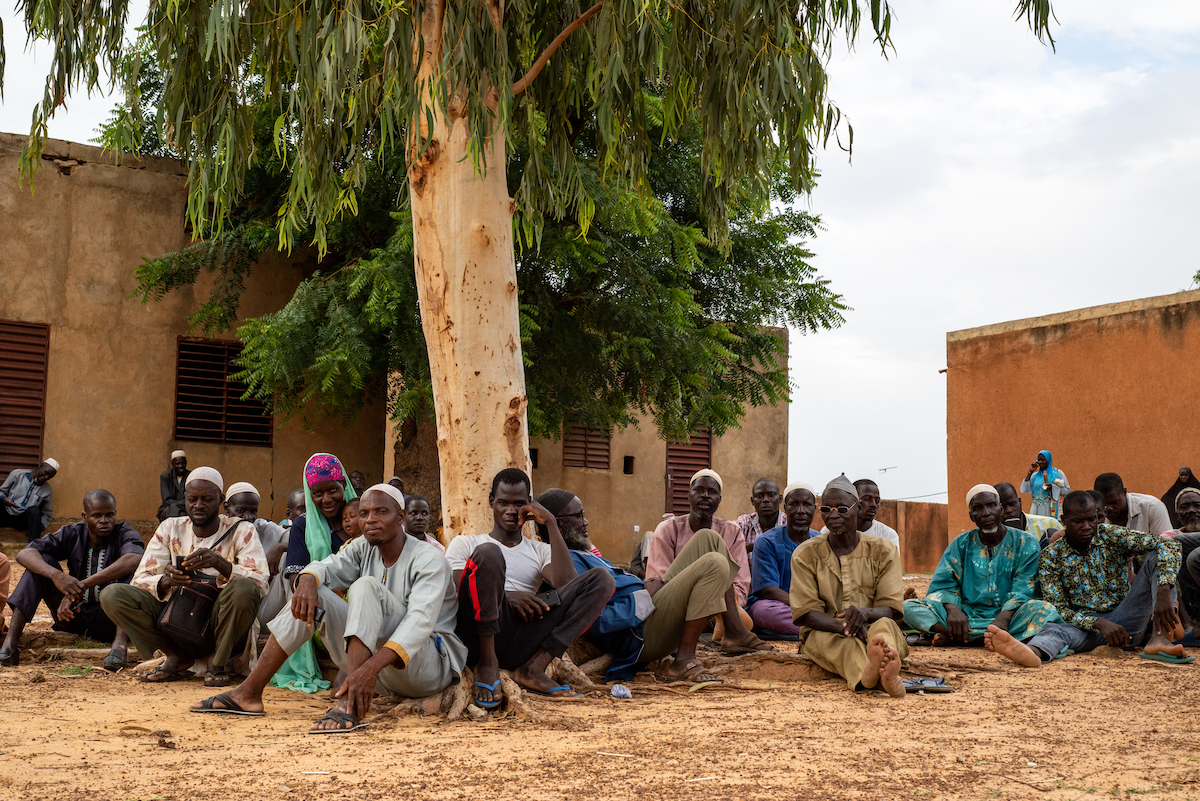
514,701
564,671
598,666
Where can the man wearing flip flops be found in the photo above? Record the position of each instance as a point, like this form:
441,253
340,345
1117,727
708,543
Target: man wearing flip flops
503,619
1085,576
394,632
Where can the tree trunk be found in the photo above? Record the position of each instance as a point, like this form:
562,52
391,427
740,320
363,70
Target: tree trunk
467,285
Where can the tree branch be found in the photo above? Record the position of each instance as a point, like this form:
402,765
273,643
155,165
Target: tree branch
528,77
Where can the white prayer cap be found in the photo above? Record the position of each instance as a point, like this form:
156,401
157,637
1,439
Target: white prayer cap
796,485
53,463
707,473
240,487
395,494
978,488
207,474
178,455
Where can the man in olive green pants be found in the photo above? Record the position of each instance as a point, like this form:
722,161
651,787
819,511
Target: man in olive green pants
698,585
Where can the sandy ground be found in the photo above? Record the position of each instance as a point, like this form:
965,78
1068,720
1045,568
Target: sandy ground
1092,726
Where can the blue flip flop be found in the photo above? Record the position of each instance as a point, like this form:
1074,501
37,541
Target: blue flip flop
574,696
1167,658
492,689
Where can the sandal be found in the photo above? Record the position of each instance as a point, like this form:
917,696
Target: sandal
338,717
166,674
217,679
10,658
228,706
114,661
755,644
493,689
693,673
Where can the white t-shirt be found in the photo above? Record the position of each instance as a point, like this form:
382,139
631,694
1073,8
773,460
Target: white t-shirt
878,529
524,562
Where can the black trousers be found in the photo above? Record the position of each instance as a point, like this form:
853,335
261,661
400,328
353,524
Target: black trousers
483,609
89,621
29,521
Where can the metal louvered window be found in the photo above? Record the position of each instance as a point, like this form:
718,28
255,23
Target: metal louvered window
208,404
683,460
24,351
586,447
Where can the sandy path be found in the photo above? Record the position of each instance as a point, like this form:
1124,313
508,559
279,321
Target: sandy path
1092,726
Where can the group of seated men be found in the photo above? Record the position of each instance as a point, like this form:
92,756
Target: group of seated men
399,615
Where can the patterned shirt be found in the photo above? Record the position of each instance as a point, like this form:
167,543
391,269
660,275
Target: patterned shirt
751,530
1085,587
175,537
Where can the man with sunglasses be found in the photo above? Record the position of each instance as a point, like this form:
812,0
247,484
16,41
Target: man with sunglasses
985,579
846,597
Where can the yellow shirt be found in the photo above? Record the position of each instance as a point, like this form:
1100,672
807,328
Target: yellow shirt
868,576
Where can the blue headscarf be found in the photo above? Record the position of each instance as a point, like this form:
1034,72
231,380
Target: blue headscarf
1051,472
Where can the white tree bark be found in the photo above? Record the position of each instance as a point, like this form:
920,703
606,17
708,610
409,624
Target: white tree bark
467,286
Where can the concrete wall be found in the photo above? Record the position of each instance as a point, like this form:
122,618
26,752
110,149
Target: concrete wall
67,256
1107,388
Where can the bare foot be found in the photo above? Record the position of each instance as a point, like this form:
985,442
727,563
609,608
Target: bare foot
250,703
719,629
910,593
875,652
1158,644
889,672
1000,641
940,639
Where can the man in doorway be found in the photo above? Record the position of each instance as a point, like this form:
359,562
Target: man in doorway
765,498
984,581
503,622
170,486
394,632
1046,529
1085,576
1135,511
26,499
673,534
98,551
846,597
638,630
205,541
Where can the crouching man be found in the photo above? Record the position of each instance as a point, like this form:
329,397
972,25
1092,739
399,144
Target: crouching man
394,633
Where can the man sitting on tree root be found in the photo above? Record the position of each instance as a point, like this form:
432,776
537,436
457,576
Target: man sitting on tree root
394,633
505,625
637,630
1085,576
846,597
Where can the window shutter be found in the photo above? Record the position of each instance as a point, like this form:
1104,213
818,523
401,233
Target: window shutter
24,353
586,447
683,460
208,404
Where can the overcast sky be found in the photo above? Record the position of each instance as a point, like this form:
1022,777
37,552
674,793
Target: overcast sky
993,179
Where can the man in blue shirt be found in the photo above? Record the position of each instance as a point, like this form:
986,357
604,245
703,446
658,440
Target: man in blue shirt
25,499
771,562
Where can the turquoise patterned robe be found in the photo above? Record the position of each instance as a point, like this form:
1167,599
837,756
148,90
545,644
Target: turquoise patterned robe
983,582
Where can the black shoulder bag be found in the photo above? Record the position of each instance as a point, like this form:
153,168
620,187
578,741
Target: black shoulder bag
185,617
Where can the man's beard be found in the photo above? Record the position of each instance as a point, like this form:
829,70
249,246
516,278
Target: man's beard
576,539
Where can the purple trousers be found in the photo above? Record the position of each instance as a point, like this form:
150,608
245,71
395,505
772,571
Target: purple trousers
773,616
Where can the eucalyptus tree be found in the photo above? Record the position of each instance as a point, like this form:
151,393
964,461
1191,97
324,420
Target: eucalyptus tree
449,83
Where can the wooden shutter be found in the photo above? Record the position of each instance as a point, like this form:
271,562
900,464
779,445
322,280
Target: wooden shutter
586,447
682,461
24,352
208,404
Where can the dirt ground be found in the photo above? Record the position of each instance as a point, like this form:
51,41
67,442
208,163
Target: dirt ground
1093,726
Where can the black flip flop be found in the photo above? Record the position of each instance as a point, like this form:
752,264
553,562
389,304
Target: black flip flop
340,717
112,663
231,707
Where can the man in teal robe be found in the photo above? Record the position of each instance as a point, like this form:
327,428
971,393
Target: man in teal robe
985,578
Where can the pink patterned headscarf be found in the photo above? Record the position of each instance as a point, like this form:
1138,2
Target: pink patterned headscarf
323,467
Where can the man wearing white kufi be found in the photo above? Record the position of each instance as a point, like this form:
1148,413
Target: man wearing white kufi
393,634
170,486
242,500
26,500
672,534
204,542
984,579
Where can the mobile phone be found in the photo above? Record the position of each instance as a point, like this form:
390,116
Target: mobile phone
318,615
549,598
179,561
